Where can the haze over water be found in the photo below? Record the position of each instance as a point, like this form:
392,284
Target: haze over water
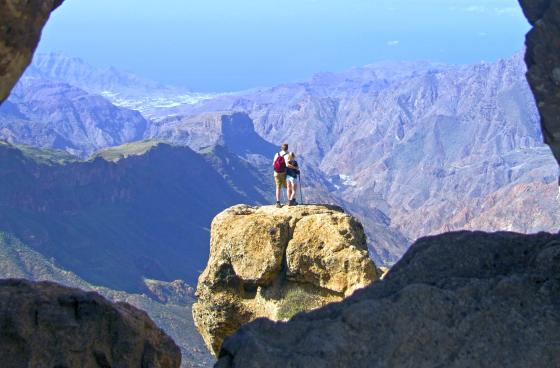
223,45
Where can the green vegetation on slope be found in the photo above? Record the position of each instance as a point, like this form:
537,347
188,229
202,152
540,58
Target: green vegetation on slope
126,150
43,155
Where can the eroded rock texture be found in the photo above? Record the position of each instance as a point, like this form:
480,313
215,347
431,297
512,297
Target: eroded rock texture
543,62
44,324
273,263
20,30
467,299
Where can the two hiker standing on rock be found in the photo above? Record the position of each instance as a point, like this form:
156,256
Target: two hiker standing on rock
286,173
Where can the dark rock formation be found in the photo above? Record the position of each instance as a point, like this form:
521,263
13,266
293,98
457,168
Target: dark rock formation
543,62
47,325
20,31
18,260
466,299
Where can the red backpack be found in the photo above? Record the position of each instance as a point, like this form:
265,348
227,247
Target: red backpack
280,163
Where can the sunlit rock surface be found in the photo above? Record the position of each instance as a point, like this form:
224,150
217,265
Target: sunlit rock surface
269,262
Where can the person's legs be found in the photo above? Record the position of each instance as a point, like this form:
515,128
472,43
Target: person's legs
289,190
294,191
280,181
278,192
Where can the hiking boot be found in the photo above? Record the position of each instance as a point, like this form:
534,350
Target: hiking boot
292,202
278,205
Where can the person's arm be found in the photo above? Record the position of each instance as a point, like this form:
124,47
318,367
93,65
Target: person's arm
296,167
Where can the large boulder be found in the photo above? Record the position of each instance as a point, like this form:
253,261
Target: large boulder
43,324
273,263
20,31
467,299
543,63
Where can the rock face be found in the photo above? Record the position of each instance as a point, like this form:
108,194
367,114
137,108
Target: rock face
20,31
421,148
48,325
234,130
167,304
102,219
543,62
466,299
269,262
48,114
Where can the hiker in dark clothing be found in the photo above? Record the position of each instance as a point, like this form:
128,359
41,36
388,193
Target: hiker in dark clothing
292,173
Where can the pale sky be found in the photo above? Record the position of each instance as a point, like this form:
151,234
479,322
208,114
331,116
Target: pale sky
227,45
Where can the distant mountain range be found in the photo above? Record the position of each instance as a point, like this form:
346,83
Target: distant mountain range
113,179
121,88
52,114
427,145
139,211
393,139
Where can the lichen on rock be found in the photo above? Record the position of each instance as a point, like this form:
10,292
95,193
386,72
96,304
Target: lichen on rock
274,263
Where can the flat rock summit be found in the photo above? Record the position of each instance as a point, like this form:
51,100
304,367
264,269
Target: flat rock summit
273,263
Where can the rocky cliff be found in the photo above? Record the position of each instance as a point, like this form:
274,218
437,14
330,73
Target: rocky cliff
386,141
48,114
273,263
543,62
48,325
466,299
427,149
20,31
122,217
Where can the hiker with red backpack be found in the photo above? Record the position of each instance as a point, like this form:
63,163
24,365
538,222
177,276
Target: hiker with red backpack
280,169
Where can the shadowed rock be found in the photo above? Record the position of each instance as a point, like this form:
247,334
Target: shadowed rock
20,31
543,62
467,299
269,262
43,324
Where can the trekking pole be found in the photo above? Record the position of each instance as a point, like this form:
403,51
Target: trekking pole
300,189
